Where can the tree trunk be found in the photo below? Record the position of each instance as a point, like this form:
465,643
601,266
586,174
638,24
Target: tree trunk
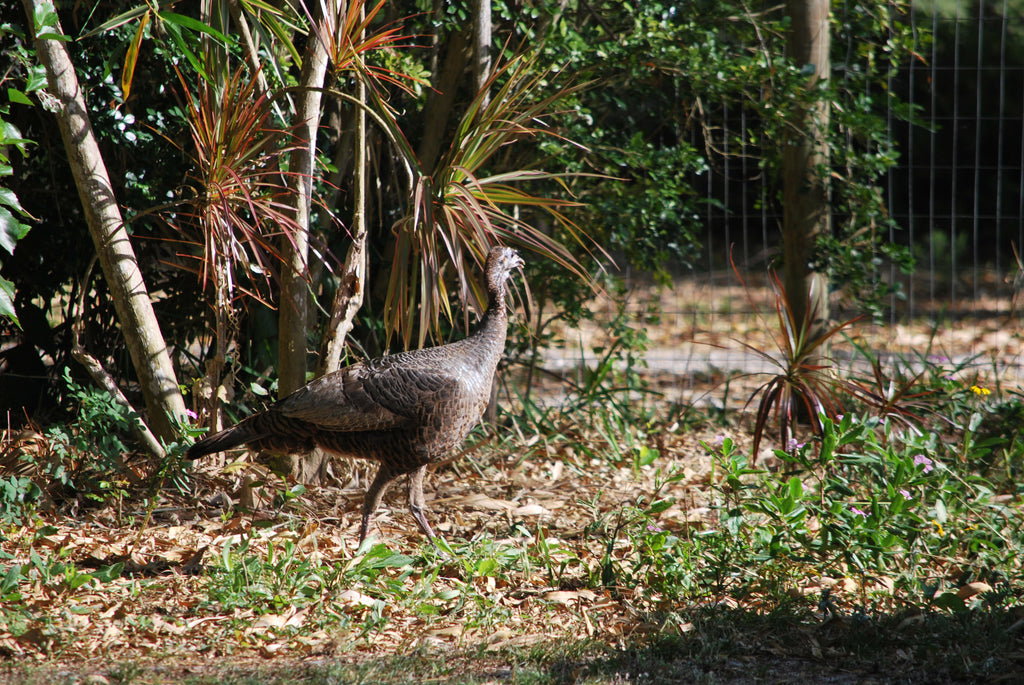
352,287
293,315
315,467
139,325
440,101
805,161
482,47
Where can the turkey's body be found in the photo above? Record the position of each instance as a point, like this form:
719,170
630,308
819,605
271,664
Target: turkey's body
405,410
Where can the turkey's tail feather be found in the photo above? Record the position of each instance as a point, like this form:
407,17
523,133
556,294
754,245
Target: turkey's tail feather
224,440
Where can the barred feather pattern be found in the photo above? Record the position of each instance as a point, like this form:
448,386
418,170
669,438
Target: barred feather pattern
405,410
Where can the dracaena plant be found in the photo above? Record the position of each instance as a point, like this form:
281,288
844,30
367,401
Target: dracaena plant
470,201
808,386
897,395
237,203
347,36
805,384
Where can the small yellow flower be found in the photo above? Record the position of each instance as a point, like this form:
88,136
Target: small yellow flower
980,391
938,527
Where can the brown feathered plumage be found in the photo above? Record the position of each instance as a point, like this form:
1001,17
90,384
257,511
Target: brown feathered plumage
404,410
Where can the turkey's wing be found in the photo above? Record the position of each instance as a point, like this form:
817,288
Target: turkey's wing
368,397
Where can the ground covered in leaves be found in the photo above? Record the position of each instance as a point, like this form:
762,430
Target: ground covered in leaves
577,547
282,594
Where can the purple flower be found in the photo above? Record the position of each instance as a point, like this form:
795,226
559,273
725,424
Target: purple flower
839,417
924,462
191,414
793,445
718,441
905,493
858,512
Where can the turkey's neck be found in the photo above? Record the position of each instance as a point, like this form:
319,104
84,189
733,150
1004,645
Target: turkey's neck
495,321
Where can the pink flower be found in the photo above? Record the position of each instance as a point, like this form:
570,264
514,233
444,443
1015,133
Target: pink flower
905,493
924,462
858,512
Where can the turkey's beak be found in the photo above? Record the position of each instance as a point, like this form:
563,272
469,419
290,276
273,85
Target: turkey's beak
519,263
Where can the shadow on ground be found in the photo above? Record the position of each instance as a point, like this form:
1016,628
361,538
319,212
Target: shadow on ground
705,645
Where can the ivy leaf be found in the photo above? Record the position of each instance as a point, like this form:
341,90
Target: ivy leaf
10,135
35,78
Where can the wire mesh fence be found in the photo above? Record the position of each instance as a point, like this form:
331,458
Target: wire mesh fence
956,194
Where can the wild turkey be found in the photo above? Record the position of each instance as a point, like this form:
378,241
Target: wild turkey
405,410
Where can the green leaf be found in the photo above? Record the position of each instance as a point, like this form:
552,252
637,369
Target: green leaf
119,20
11,230
47,22
796,489
109,573
659,506
175,33
486,567
391,560
10,135
646,456
194,25
7,301
950,601
16,96
11,579
79,580
7,197
36,78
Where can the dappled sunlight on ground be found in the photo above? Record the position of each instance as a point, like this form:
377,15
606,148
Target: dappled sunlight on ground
537,525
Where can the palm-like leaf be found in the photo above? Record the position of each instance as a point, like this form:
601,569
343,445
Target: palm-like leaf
460,210
240,202
343,28
240,198
893,395
806,379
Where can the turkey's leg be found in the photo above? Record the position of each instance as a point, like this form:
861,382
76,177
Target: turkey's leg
417,504
373,497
